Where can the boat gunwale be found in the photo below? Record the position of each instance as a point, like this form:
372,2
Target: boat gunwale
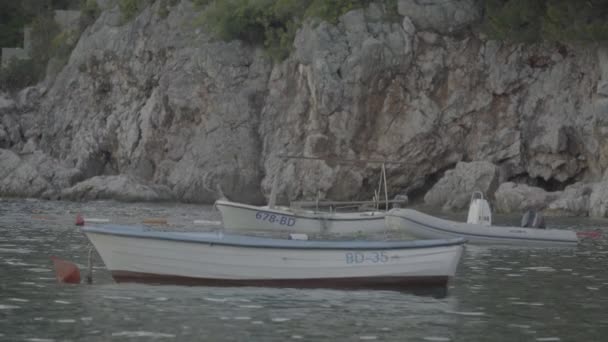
380,215
473,235
267,243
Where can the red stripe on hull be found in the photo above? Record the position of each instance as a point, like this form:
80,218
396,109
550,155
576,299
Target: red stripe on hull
393,283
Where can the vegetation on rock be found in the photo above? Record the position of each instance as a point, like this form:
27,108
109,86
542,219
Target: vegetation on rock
165,7
272,23
89,11
130,8
20,74
546,20
14,15
48,41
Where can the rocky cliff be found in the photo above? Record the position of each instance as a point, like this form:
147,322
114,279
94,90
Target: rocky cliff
157,109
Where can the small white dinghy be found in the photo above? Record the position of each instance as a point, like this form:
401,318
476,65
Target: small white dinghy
133,254
478,229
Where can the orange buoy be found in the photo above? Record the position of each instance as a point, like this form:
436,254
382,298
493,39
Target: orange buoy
79,220
66,271
589,234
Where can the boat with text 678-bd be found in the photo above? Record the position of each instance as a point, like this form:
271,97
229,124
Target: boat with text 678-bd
245,217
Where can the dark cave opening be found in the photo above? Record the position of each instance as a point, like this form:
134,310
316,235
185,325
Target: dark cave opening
549,185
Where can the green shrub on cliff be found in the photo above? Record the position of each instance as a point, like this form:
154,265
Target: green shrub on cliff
550,20
89,11
332,10
272,23
130,8
576,21
165,7
44,30
48,42
61,49
20,74
12,19
515,19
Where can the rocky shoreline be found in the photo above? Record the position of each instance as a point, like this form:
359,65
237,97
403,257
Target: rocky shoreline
157,110
453,191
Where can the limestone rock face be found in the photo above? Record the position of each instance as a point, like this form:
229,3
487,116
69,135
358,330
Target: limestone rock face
158,100
6,105
516,198
122,188
598,200
454,190
573,201
6,102
331,98
162,103
428,101
8,126
443,16
33,175
19,178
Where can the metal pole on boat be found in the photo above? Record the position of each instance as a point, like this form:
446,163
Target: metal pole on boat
385,187
377,193
275,184
89,277
376,201
273,192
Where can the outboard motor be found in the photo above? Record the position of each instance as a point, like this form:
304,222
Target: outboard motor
533,219
479,210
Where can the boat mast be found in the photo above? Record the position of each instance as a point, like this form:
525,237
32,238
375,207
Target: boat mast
385,187
377,193
273,192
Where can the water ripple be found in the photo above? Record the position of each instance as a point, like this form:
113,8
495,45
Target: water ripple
498,294
142,334
8,307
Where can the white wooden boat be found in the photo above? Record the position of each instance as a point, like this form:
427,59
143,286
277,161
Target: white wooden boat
297,219
244,217
423,226
133,254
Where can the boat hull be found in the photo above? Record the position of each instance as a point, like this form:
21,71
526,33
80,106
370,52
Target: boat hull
157,260
243,217
424,226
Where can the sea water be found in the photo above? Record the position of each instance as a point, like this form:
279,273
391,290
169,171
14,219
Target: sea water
498,294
